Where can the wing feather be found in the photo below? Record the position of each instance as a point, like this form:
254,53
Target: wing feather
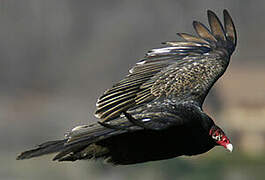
192,38
113,99
230,28
182,70
216,26
108,95
110,112
203,32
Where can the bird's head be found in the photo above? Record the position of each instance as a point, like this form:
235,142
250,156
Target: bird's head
220,138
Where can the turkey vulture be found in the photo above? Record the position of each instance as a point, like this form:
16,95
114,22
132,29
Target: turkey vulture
155,112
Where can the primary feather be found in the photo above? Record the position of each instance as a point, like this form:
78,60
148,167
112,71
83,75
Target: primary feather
181,70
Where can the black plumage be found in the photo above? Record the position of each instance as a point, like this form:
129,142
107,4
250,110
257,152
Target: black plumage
155,112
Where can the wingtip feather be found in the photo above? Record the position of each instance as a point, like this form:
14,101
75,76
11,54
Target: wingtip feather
221,35
229,27
216,26
203,31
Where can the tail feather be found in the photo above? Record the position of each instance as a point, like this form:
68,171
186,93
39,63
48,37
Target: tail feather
42,149
79,144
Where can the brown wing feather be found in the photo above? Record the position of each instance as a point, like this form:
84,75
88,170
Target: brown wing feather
179,70
203,31
190,79
216,26
192,38
230,28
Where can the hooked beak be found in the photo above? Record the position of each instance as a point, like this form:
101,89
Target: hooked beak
229,147
225,143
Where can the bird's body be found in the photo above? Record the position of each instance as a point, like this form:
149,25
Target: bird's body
155,112
148,145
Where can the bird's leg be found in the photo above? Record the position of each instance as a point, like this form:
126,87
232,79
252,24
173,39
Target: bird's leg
135,121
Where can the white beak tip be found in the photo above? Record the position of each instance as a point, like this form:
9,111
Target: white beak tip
229,147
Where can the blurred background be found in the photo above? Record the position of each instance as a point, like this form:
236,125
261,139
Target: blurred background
57,57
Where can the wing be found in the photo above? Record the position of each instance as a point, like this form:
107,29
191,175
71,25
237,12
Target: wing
180,71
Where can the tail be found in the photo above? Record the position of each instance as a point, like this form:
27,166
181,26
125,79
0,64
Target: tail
79,144
42,149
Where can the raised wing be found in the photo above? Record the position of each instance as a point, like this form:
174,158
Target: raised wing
180,71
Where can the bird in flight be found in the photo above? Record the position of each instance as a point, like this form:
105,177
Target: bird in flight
155,112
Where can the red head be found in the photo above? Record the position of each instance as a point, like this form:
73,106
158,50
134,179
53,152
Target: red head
220,138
